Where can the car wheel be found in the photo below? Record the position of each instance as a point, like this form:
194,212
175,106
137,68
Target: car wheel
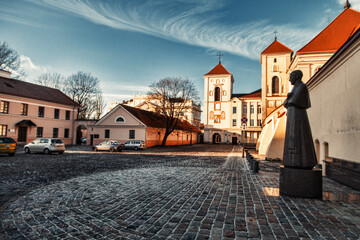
46,151
112,149
27,150
136,148
11,154
61,152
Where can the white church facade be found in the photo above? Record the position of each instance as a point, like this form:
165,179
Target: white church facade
223,110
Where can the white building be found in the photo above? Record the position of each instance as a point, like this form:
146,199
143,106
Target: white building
224,110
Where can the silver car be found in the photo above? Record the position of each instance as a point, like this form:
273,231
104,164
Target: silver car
134,144
45,145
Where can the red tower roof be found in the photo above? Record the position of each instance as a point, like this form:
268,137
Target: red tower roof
335,34
277,47
219,69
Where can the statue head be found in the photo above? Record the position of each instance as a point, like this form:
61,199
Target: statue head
295,76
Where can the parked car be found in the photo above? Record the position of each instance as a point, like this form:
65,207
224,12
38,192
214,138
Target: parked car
7,145
110,145
45,145
134,144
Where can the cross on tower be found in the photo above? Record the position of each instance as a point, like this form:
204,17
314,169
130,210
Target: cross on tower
219,55
275,32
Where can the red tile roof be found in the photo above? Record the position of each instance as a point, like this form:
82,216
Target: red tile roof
218,69
33,91
277,47
156,120
335,34
255,94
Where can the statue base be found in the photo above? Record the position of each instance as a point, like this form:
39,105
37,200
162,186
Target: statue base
302,183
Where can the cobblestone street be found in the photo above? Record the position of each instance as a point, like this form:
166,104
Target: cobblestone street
193,192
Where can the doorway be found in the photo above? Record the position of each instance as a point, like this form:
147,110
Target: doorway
234,140
22,134
216,138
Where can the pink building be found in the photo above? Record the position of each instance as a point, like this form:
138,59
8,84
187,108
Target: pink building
124,123
29,111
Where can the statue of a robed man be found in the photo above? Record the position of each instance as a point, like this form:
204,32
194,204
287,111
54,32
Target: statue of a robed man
298,177
299,151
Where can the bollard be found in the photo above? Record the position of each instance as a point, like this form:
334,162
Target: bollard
255,167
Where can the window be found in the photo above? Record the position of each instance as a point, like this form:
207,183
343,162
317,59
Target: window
96,135
56,113
234,122
252,122
217,106
4,107
41,112
55,132
252,108
275,60
132,134
259,109
67,115
3,130
44,140
275,85
66,133
39,131
24,109
234,110
217,118
120,119
259,122
244,109
107,133
217,94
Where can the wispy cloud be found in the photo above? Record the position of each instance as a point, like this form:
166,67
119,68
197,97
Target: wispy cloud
189,21
31,69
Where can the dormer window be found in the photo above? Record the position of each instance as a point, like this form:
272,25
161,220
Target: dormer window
120,119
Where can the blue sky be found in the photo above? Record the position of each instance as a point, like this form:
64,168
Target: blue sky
128,44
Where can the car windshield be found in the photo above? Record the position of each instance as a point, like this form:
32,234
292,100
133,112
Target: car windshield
7,140
103,143
56,141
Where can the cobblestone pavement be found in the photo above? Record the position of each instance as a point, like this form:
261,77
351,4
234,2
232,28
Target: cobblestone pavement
212,196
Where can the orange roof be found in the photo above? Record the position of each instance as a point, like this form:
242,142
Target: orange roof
219,69
277,47
335,34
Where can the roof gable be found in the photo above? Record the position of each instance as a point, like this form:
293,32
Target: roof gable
156,120
335,34
255,94
218,69
277,47
33,91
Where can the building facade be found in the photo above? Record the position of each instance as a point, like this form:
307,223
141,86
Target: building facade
29,111
224,111
125,123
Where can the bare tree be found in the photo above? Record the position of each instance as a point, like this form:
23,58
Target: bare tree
10,60
97,106
175,96
53,80
83,88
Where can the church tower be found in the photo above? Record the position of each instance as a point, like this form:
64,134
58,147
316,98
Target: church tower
275,60
217,102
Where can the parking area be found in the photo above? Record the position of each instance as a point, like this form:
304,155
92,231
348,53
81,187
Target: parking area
189,192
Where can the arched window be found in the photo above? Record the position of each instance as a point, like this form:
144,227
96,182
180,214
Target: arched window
244,109
275,60
275,85
217,94
252,108
317,149
120,119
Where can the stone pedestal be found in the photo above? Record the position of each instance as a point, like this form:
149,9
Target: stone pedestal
303,183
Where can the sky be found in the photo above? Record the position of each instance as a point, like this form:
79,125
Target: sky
129,44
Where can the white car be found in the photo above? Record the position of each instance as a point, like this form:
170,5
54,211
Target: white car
134,144
45,145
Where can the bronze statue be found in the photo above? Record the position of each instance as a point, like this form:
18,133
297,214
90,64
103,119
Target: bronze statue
299,151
